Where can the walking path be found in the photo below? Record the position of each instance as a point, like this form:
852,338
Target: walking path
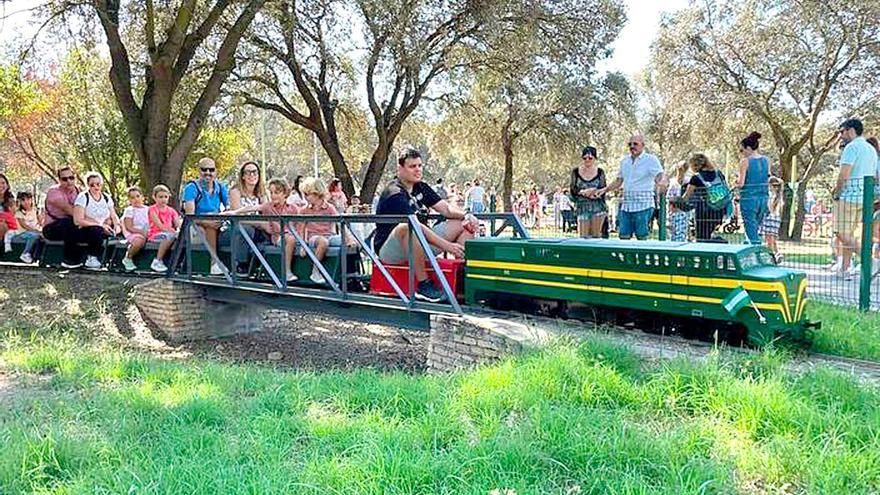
824,285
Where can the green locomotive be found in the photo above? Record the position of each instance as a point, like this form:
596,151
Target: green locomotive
737,285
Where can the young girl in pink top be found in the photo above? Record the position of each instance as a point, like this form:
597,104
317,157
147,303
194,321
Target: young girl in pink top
277,205
164,224
317,234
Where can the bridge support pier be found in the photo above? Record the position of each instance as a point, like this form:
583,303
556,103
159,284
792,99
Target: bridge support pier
182,312
465,341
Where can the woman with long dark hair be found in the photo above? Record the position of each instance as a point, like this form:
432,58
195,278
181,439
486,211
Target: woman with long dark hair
248,191
754,174
296,197
586,180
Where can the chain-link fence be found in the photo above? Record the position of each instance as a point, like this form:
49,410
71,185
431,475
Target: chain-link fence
834,242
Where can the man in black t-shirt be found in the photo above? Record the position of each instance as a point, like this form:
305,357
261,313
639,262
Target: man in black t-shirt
406,195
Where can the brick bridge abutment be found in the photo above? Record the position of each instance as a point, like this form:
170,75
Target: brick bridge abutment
186,312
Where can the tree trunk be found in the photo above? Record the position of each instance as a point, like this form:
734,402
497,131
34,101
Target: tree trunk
785,164
507,181
374,172
799,214
330,143
149,124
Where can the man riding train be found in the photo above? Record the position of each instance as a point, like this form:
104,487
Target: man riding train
407,195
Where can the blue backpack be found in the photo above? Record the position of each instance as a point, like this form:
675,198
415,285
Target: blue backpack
200,193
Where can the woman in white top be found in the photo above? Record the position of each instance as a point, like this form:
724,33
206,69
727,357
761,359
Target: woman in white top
96,219
250,191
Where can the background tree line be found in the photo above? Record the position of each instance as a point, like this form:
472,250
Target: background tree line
506,90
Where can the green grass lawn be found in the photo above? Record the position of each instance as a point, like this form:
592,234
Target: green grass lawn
585,418
845,331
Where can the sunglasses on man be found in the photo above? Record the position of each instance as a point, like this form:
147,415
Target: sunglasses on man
208,170
66,179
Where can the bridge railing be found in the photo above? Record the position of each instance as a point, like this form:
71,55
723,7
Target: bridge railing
236,227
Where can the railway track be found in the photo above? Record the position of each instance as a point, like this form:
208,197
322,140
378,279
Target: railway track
656,347
649,346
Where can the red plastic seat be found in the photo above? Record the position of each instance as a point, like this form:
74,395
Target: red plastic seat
453,270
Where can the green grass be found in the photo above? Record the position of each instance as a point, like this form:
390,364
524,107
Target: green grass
576,418
845,331
798,259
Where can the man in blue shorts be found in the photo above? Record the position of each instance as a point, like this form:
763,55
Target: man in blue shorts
641,176
407,195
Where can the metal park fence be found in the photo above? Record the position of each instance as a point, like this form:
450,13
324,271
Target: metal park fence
835,241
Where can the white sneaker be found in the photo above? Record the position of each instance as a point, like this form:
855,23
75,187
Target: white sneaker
70,266
26,258
216,270
835,267
157,266
854,269
93,263
128,264
316,277
291,277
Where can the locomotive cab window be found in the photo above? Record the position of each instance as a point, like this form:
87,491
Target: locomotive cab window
756,259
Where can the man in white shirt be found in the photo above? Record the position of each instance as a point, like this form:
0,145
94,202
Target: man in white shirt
476,197
858,160
642,177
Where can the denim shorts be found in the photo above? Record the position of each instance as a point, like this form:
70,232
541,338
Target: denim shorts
586,216
164,236
393,252
635,222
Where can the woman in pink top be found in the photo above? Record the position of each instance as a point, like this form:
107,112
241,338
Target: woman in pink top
317,234
277,205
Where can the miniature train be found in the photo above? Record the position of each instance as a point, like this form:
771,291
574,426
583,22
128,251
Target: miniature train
738,289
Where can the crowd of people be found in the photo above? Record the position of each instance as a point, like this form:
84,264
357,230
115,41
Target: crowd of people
84,219
697,193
